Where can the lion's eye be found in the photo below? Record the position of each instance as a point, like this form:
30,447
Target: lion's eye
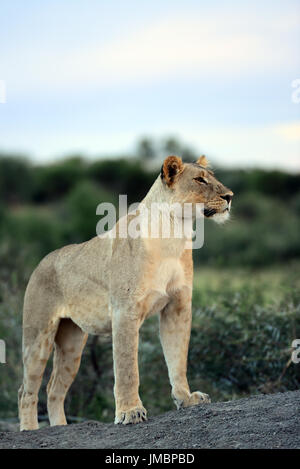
201,179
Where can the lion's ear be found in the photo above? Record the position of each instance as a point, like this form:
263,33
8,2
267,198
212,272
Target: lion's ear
203,161
172,166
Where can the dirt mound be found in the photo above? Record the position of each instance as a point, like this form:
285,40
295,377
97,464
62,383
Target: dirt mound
264,421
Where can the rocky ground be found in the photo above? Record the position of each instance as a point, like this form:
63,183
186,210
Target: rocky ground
264,421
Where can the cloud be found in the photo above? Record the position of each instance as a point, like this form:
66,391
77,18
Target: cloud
248,146
59,99
189,45
290,131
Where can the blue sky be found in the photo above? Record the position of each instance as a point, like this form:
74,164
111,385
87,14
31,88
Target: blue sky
93,76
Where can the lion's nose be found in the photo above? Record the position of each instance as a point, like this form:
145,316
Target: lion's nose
227,197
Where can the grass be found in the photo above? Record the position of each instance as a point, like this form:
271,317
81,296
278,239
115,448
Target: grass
271,284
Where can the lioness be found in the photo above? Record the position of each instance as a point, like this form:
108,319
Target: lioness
113,285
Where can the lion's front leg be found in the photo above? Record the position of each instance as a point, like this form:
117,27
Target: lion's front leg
175,329
129,408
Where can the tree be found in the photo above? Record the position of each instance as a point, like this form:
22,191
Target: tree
172,146
145,149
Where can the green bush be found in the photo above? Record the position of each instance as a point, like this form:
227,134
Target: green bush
34,231
123,176
54,181
243,347
16,179
261,231
80,210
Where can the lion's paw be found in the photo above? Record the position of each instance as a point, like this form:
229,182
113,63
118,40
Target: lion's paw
135,415
196,398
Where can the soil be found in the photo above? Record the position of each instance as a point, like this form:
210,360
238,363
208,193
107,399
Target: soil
264,421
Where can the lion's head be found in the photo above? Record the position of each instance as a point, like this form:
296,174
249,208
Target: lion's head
195,183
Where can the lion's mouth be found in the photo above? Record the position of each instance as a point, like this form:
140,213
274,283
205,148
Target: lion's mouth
209,212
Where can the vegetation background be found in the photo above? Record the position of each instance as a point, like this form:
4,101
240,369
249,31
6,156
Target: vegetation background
246,301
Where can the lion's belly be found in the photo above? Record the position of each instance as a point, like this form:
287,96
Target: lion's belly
90,311
92,322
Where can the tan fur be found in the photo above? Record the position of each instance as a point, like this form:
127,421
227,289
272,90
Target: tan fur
202,161
112,285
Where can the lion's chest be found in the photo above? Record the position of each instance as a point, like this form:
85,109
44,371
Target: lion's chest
165,280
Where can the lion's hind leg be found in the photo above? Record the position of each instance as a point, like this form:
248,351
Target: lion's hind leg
69,343
37,346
